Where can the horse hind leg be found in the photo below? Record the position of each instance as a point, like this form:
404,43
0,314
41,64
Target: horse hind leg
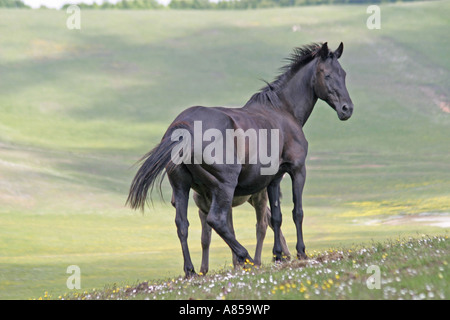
180,182
202,203
263,218
218,219
231,227
205,240
259,202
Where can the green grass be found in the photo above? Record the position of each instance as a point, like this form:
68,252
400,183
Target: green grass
79,108
413,268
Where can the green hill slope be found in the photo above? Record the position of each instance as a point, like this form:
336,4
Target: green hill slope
401,269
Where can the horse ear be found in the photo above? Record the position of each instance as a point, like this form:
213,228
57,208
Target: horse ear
323,52
338,52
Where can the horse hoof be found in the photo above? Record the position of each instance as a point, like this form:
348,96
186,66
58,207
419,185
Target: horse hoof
248,264
281,258
302,256
190,274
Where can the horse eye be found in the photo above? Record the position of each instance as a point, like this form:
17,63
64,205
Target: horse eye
327,76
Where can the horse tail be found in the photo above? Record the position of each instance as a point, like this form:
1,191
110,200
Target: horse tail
152,166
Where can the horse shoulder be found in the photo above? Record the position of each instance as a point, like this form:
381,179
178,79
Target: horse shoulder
295,147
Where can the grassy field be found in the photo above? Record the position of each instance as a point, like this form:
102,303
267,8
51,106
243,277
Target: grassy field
79,107
413,268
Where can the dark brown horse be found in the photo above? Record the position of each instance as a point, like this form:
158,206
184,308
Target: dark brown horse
194,153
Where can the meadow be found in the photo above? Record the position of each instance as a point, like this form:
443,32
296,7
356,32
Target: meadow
397,269
79,107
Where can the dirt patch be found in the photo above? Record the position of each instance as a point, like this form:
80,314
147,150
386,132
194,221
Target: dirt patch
444,106
440,100
441,220
435,221
370,166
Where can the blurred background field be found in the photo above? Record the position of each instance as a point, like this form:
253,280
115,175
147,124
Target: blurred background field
79,107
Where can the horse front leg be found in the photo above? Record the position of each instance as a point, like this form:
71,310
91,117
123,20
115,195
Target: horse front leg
273,191
298,182
284,247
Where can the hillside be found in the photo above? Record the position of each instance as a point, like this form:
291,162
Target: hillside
414,268
79,107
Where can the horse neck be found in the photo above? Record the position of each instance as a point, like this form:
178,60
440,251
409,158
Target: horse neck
297,95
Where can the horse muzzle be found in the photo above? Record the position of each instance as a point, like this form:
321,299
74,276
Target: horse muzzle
345,111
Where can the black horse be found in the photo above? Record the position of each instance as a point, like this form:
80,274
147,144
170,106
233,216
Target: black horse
282,107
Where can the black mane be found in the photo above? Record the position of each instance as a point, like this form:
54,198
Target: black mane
299,57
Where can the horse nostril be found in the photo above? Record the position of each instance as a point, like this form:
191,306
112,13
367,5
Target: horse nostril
345,108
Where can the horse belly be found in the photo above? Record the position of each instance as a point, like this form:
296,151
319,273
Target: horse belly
253,185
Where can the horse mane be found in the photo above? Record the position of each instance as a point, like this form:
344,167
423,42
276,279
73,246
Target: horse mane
298,58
